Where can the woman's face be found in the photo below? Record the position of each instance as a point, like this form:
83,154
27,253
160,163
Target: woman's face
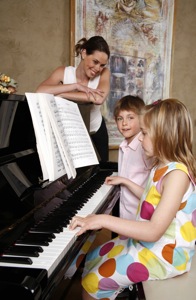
94,63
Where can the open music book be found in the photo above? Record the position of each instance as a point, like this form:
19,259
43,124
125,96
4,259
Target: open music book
63,142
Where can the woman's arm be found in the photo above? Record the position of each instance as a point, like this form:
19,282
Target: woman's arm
53,84
76,91
174,186
86,94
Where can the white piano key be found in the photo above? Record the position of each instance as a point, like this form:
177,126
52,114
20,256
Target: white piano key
59,246
57,249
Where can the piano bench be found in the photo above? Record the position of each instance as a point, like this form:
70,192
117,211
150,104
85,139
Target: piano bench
181,287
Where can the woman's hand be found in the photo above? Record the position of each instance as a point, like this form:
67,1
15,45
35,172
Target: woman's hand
97,94
76,91
91,222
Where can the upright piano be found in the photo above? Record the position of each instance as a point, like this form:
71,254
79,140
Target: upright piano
36,245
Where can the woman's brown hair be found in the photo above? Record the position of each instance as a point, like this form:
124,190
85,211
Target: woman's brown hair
95,43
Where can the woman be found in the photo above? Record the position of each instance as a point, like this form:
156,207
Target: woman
87,83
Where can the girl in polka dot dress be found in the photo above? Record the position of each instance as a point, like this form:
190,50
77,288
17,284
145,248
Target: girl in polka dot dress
160,243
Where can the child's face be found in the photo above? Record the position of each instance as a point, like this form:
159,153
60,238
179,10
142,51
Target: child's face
145,139
128,124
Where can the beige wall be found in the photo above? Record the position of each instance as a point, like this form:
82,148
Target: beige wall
35,38
183,83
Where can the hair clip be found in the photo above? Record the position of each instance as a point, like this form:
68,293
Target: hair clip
156,102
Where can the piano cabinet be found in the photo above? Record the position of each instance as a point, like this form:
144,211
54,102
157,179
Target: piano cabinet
36,245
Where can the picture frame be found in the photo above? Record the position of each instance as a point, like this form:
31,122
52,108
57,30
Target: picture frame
139,34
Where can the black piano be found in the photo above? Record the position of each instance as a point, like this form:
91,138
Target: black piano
36,246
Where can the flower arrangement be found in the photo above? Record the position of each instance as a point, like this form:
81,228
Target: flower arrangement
7,84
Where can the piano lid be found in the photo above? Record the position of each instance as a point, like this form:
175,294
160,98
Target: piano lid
20,169
16,128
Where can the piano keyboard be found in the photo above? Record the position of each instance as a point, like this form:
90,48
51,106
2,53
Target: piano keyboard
63,240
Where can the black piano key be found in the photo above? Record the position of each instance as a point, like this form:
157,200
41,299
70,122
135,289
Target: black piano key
24,251
47,228
60,217
41,239
60,221
42,231
16,260
61,200
45,236
32,242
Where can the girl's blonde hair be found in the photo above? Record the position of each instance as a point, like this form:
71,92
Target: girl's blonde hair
170,128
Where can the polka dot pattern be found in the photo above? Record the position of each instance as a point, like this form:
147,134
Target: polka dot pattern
167,252
91,263
106,248
81,255
180,258
194,218
159,173
90,283
107,269
137,272
153,196
188,231
147,210
124,261
115,251
105,282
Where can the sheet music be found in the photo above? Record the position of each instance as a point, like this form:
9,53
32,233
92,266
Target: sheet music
40,134
49,106
63,142
78,139
50,159
59,152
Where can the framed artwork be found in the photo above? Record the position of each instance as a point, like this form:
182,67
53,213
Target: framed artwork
139,34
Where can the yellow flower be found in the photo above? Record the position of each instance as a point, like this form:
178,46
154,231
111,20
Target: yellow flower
7,84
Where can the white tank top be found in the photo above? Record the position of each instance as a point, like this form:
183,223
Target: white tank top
95,113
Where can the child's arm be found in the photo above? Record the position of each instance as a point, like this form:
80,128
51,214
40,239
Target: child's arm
174,186
136,189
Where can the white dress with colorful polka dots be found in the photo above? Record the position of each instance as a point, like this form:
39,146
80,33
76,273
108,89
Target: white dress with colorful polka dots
123,261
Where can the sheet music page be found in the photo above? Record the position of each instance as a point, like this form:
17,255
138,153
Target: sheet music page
42,160
60,157
63,141
50,158
41,142
51,109
78,139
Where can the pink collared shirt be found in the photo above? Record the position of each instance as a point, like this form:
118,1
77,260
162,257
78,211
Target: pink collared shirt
134,165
